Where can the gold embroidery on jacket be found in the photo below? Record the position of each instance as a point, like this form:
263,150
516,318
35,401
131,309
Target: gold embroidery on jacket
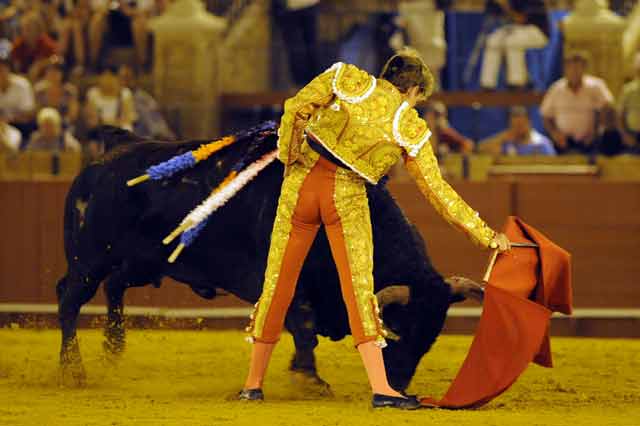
361,134
352,84
426,172
299,109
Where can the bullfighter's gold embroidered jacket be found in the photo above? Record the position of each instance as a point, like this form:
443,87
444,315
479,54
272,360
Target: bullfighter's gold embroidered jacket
365,122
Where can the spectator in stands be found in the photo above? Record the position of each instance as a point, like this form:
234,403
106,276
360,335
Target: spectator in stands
609,140
10,137
445,138
296,20
571,105
119,17
110,103
150,121
10,11
16,98
518,139
528,28
50,135
50,13
33,48
73,30
53,91
629,110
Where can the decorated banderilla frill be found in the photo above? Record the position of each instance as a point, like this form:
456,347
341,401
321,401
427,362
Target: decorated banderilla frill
195,221
182,162
237,178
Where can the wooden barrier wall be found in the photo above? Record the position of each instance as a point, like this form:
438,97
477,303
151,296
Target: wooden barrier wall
598,222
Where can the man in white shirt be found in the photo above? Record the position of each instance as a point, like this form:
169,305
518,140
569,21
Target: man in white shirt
16,96
570,106
528,28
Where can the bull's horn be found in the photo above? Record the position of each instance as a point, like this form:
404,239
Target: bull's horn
465,287
393,294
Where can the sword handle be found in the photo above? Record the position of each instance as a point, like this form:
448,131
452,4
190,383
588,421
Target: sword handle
492,262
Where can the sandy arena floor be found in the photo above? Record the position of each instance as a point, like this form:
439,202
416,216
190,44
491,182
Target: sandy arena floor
187,377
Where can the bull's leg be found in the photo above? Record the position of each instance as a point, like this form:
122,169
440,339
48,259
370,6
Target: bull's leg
301,324
114,330
72,292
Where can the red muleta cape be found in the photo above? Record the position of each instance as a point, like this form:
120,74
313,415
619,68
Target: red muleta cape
525,287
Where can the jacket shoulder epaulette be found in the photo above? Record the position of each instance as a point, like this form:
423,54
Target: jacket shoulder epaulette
351,84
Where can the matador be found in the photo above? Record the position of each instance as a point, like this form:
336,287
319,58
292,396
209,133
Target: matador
344,129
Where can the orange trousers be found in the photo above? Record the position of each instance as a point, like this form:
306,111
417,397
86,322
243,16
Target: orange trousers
317,192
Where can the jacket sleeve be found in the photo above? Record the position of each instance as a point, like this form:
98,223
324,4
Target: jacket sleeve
298,110
422,165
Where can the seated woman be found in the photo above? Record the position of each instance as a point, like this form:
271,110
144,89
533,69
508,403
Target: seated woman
52,91
110,103
50,135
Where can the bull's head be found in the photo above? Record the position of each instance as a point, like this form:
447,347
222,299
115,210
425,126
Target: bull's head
414,320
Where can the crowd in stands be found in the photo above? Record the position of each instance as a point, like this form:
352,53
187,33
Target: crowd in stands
579,113
57,82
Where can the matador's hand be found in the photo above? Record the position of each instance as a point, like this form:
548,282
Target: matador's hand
501,242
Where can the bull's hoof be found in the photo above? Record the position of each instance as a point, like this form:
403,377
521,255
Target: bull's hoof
72,375
310,383
112,353
113,347
114,342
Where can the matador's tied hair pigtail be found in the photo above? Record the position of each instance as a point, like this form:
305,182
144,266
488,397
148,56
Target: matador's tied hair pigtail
406,69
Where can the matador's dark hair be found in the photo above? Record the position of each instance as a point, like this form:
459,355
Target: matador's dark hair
406,69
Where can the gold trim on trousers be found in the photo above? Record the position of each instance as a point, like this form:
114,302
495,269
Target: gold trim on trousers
314,192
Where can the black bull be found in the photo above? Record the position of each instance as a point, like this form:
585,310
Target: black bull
113,233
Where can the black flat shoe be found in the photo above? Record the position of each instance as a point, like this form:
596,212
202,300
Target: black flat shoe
408,403
251,395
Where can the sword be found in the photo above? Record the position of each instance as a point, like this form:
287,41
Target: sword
494,256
